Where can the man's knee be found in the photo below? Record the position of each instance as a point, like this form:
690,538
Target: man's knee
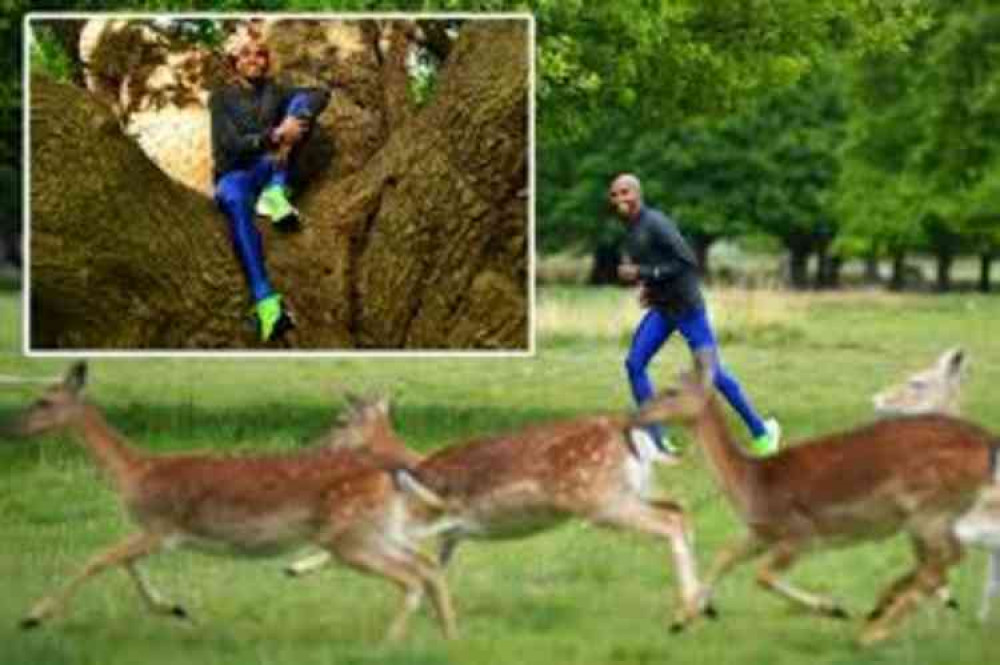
233,194
634,365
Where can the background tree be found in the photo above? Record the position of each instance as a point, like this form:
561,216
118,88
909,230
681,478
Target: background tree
763,169
924,130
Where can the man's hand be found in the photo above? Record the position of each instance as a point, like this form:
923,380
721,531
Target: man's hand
644,297
628,272
290,131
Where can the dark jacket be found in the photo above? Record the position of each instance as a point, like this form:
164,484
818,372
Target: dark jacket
667,267
243,117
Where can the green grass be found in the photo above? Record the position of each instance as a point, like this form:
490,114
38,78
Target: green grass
575,595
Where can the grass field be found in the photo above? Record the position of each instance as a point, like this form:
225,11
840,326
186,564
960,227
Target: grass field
575,595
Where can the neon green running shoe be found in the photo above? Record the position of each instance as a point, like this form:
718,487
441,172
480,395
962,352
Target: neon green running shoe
769,442
272,319
273,203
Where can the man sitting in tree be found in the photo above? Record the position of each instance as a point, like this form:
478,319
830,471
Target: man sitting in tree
257,127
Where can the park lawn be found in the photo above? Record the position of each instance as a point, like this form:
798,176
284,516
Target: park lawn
575,595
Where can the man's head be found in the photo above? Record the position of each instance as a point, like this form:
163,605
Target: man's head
248,54
625,196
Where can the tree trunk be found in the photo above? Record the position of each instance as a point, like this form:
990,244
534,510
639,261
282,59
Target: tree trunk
702,245
898,279
985,266
798,267
604,267
944,263
822,266
872,275
831,275
422,248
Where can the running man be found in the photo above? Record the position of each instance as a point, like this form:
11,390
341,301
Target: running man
659,259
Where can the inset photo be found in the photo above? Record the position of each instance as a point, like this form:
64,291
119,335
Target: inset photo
279,184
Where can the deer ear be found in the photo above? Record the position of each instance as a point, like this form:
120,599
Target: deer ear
953,361
76,377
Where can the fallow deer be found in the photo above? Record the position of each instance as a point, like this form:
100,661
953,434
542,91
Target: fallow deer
938,390
519,484
915,474
342,500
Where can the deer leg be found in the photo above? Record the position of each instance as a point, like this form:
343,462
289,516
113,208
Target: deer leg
935,554
153,599
436,586
406,574
731,555
307,564
992,585
781,559
943,594
448,546
132,548
664,519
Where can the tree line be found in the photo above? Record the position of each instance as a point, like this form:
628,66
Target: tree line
870,154
677,80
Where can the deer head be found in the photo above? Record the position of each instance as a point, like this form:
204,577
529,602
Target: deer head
934,390
681,405
58,407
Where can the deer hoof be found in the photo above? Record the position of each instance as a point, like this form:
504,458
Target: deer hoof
952,604
30,622
710,611
179,612
677,627
838,612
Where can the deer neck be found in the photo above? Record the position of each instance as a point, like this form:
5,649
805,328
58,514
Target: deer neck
734,471
109,449
385,442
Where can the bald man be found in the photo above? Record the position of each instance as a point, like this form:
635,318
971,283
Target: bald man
661,262
257,128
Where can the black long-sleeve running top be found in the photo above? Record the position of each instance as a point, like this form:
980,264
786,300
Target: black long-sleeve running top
667,266
244,115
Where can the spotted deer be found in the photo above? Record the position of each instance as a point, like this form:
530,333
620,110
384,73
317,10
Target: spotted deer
937,389
916,474
518,484
343,500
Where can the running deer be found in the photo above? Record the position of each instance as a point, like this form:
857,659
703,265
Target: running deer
915,474
342,500
938,390
519,484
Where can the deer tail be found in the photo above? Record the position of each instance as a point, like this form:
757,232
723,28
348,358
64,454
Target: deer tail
409,484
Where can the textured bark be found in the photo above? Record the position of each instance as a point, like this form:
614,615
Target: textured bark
423,246
985,266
